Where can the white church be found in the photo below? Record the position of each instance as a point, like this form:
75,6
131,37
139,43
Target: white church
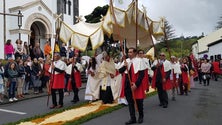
33,20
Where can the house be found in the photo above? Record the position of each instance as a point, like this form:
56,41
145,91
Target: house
215,50
209,45
37,22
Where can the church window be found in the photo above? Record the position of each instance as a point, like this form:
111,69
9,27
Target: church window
69,7
64,6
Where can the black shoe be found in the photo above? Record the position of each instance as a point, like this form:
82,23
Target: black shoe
74,101
140,120
160,104
130,122
173,99
164,106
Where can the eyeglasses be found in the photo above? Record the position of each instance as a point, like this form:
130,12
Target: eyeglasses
162,55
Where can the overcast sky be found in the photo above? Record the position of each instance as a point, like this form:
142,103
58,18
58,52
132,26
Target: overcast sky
188,17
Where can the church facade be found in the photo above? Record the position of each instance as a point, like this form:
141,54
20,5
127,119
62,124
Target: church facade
37,20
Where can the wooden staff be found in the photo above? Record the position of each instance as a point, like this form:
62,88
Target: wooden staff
52,71
121,45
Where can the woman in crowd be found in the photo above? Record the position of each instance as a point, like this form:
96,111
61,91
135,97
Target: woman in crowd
12,77
205,69
9,49
18,49
1,82
25,50
20,79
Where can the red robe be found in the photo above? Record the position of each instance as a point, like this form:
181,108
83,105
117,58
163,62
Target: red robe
57,78
122,93
166,85
216,67
139,93
78,81
58,81
173,81
185,78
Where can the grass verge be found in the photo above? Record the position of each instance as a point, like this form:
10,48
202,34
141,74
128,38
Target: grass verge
80,120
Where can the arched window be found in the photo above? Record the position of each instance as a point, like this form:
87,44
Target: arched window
64,6
69,7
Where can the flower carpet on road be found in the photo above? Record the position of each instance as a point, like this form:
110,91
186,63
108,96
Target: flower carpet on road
72,114
69,115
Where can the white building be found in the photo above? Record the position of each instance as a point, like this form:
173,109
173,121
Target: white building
38,21
215,50
205,45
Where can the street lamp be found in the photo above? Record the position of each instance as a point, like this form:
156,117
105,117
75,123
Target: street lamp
19,22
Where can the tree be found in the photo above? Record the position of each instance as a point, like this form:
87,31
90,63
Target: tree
95,16
219,23
169,31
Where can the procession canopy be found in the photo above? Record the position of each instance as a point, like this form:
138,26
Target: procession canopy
123,28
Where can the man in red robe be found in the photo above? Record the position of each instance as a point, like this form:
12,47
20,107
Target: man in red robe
76,82
57,80
216,69
134,87
161,79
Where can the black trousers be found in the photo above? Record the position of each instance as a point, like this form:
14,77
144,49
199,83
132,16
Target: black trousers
162,94
61,96
75,91
131,106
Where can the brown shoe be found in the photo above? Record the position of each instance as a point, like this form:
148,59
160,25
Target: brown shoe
59,106
52,107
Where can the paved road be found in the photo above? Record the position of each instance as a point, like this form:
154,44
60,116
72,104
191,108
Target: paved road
12,112
203,106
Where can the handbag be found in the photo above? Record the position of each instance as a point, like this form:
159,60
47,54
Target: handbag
204,77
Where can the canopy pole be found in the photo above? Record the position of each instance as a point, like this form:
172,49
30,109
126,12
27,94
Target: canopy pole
136,22
121,44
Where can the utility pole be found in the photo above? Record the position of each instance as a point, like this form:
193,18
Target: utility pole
19,15
4,20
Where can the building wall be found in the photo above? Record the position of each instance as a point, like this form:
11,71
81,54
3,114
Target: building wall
212,37
195,50
41,13
215,50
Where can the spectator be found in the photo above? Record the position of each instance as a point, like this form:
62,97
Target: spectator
9,49
47,49
25,50
31,54
12,77
1,82
71,52
37,52
27,78
63,51
35,75
21,78
18,49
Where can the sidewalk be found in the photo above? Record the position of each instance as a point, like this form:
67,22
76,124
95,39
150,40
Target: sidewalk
31,95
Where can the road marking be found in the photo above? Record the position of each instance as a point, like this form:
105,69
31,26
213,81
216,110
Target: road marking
15,112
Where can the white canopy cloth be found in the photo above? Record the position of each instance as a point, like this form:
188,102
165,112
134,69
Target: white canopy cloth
123,28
